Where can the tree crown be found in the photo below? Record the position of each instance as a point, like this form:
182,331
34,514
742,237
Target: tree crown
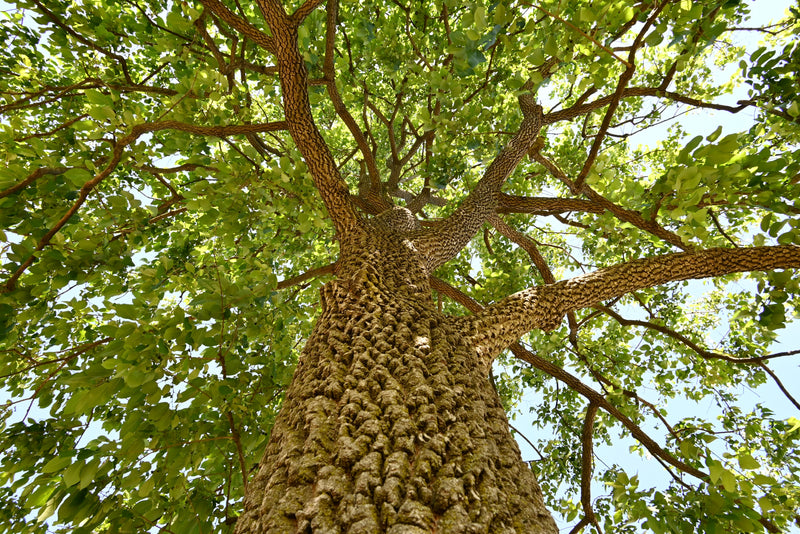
180,177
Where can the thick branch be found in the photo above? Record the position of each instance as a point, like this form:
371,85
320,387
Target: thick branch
446,238
545,205
32,177
240,24
501,324
303,129
305,10
338,104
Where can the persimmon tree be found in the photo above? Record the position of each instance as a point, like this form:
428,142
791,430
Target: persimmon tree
355,233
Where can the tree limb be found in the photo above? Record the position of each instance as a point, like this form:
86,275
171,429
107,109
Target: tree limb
703,353
32,177
446,238
630,67
587,453
595,397
304,131
80,38
305,10
329,71
626,215
544,205
312,273
582,108
240,24
543,307
780,385
527,245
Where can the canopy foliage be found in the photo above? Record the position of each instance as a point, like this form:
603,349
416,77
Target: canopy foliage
157,219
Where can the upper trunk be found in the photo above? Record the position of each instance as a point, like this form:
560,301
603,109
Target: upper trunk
390,423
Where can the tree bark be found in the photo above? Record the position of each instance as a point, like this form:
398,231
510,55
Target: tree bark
390,423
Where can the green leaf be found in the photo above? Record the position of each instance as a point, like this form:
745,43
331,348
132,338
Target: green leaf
689,449
40,496
88,472
747,462
146,486
551,47
683,156
475,57
72,473
56,464
728,481
480,18
714,135
101,113
96,97
795,422
78,177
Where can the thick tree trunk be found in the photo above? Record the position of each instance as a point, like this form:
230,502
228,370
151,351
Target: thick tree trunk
390,423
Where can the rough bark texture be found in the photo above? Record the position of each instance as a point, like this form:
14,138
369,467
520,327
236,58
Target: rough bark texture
390,424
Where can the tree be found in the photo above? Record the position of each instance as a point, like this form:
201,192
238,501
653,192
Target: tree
193,191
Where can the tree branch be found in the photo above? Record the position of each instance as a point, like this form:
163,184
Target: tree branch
304,131
544,205
80,38
329,71
582,108
312,273
630,67
595,397
240,24
587,453
305,10
447,237
780,385
700,351
626,215
213,131
543,307
32,177
527,245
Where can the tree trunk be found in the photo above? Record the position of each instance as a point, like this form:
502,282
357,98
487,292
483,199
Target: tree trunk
390,423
